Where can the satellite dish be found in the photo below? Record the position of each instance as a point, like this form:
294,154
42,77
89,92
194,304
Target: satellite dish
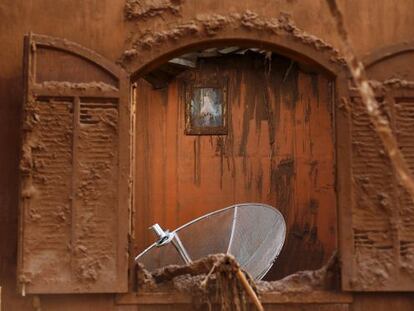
253,233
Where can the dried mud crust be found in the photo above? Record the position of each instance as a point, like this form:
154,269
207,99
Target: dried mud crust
142,9
209,25
213,279
47,178
390,84
57,85
380,254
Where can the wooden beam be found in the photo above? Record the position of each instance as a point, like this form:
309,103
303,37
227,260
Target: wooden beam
173,297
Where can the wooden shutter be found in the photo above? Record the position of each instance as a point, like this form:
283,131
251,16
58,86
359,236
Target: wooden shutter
378,249
75,171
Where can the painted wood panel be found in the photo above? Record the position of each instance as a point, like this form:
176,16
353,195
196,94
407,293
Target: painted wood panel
279,151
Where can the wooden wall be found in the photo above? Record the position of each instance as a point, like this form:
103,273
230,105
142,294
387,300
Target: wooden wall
279,150
101,26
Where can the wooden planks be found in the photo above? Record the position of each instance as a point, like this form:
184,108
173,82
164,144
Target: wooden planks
279,151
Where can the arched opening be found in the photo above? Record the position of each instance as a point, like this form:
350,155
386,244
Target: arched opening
278,147
309,51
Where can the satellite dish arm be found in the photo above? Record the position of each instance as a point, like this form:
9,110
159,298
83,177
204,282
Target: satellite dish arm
165,237
181,249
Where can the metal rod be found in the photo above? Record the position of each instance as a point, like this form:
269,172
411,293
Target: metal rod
158,230
181,249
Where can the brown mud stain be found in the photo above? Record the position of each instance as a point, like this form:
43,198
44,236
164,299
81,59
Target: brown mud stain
282,184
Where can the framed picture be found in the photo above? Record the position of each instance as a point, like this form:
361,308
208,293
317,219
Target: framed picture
206,108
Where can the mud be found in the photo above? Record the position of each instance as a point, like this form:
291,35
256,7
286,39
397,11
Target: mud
69,176
211,24
145,281
325,278
390,84
42,140
212,279
381,124
282,183
142,9
47,165
382,172
56,85
209,280
93,20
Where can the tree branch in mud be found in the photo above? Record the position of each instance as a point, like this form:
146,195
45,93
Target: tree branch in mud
380,123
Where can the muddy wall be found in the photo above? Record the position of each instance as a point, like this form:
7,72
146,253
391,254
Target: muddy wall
101,26
279,150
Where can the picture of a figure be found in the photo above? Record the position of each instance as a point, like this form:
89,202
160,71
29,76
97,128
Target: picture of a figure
206,108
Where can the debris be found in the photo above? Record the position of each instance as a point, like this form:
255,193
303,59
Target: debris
218,278
219,274
325,278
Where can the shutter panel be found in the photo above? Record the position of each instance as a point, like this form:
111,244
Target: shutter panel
379,255
75,171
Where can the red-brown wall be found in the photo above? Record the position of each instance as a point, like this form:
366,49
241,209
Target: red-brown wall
279,150
100,25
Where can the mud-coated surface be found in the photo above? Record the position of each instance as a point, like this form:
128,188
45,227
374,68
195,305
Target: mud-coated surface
100,26
70,174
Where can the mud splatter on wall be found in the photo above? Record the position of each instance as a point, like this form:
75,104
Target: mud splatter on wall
279,151
141,9
50,191
73,172
382,220
90,23
210,25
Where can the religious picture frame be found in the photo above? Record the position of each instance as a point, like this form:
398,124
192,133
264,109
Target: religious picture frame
206,107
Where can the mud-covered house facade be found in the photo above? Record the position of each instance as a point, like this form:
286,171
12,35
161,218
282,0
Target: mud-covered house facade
97,144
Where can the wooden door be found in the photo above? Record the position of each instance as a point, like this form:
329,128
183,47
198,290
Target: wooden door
279,150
